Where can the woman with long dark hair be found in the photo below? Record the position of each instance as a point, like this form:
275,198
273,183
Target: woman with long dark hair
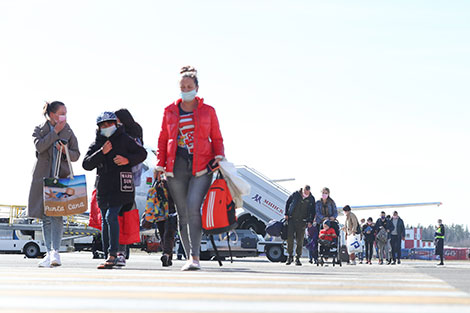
131,127
133,130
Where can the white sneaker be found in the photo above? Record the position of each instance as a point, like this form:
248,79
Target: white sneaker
46,261
352,263
191,266
55,258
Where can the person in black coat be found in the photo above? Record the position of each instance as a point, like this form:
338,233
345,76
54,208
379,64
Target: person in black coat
112,154
300,210
396,236
166,230
368,230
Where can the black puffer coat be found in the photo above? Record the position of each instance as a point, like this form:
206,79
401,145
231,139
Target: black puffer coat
114,184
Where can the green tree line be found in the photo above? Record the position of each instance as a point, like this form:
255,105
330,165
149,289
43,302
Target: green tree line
456,235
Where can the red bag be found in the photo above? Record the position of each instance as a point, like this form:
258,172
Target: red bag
218,210
95,212
129,227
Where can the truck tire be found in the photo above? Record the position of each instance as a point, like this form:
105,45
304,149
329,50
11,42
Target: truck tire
255,225
261,228
275,253
31,250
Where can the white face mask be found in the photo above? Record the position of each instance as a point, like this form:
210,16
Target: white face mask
108,132
189,96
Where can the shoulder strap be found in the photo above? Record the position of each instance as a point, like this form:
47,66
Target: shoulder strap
67,155
59,161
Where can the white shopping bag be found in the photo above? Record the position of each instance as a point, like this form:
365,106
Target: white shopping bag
353,244
238,186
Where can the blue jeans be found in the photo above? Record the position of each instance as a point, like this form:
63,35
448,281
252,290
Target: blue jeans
110,229
52,230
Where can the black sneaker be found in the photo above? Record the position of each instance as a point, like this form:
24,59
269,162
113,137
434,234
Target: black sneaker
297,262
389,262
393,263
290,259
399,262
165,260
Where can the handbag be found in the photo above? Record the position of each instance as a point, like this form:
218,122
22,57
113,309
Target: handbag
156,207
274,228
354,244
129,227
95,213
64,196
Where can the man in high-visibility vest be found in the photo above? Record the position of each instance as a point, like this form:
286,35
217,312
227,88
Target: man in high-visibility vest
439,240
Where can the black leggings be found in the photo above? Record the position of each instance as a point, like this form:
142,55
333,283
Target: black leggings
369,250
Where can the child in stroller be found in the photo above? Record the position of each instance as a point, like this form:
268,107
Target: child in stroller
328,243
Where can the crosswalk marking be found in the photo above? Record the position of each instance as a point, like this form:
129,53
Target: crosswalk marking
232,288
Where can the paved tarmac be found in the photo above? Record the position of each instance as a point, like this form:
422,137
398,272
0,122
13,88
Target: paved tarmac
247,285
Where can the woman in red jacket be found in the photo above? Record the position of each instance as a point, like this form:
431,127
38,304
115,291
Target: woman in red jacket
189,140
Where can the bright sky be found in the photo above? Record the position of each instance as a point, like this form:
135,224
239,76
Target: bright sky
369,98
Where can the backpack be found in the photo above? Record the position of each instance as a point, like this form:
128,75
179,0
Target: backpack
382,236
218,213
156,207
218,210
274,228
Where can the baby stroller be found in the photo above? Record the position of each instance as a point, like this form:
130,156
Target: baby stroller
328,251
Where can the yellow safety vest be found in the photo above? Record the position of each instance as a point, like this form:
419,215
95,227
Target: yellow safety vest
439,233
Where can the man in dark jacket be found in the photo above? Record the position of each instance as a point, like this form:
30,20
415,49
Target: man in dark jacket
396,236
300,210
112,154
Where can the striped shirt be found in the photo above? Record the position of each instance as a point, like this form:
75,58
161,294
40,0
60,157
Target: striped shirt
186,131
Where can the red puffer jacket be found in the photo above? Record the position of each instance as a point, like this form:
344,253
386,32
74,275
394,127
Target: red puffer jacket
208,141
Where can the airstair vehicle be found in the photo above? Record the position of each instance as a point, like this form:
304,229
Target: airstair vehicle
266,202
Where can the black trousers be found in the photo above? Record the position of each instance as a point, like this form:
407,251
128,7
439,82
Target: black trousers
295,228
369,250
396,247
440,249
167,230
